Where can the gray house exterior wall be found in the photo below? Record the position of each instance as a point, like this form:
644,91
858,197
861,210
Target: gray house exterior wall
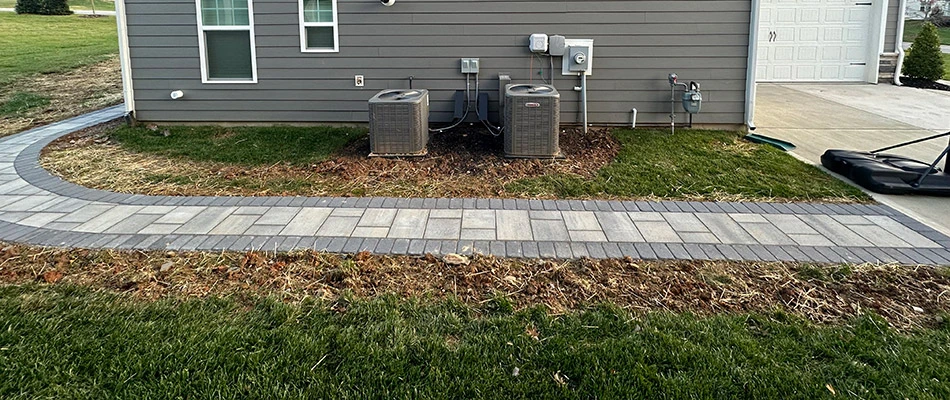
636,44
894,14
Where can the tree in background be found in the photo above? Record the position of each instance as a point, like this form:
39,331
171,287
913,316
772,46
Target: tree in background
924,60
43,7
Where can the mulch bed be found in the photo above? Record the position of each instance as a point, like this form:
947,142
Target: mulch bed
466,162
907,297
923,84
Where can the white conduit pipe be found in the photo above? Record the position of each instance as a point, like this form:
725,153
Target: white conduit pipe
584,98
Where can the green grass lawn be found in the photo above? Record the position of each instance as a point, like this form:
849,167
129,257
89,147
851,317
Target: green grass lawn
101,5
912,28
696,163
241,145
42,44
67,342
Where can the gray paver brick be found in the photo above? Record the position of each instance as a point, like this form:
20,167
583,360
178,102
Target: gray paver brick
698,237
443,228
514,249
305,222
834,231
234,225
767,234
563,250
370,232
478,219
477,234
549,230
657,232
878,236
726,229
662,251
338,226
409,224
133,224
685,222
613,250
546,250
417,247
618,227
790,224
512,225
906,234
580,220
530,249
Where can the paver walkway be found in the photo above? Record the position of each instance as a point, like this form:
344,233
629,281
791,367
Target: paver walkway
38,208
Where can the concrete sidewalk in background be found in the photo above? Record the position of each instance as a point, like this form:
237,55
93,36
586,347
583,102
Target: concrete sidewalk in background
860,117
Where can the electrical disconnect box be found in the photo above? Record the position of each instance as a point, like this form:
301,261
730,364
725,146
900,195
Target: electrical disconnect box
556,45
538,43
469,65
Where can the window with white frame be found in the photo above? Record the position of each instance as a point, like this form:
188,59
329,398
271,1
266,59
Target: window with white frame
226,41
318,26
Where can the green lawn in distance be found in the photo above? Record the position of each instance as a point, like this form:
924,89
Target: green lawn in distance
912,28
67,342
43,44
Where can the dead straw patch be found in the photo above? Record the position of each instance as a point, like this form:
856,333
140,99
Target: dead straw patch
907,297
73,93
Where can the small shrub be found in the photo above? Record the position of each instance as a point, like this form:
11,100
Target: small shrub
924,60
43,7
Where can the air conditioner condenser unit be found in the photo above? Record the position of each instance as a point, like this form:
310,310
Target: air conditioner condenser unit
399,122
532,121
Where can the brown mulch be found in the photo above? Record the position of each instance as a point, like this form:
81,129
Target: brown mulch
923,84
466,162
71,93
907,297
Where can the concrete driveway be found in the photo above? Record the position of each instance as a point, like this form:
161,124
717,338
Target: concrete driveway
861,117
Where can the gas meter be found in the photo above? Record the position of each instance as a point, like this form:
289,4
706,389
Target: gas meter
692,99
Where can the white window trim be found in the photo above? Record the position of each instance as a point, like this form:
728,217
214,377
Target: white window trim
303,31
202,49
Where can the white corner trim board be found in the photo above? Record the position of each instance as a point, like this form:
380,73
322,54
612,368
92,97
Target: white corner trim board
125,61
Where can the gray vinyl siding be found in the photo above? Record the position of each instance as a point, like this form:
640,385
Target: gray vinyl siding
894,14
636,44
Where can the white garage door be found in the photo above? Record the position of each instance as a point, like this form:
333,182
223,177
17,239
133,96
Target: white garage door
813,41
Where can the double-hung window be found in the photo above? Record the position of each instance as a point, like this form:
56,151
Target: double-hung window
226,41
318,26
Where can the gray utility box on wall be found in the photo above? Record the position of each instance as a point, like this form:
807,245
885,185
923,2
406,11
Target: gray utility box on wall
399,122
532,121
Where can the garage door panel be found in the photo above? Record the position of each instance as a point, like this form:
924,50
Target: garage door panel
813,40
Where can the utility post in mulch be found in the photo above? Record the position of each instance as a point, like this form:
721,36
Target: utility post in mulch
923,65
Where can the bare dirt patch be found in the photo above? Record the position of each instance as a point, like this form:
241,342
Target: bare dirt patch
466,163
907,297
72,93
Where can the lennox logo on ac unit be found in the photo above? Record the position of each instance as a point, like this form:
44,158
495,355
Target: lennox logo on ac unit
532,105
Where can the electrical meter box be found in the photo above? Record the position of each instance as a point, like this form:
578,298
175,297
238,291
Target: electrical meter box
538,43
579,58
692,101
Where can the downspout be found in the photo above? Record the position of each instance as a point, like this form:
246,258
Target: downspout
125,61
899,42
752,63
